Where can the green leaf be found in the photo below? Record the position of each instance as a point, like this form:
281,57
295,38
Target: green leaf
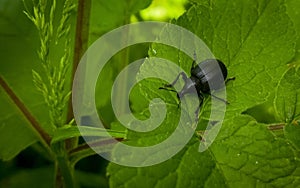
242,34
245,154
287,105
292,134
17,53
19,57
293,11
15,134
287,99
249,155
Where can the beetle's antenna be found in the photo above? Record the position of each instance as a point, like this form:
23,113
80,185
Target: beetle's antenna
167,89
195,59
223,100
229,79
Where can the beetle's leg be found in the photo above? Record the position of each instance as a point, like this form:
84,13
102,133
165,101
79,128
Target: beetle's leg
200,96
168,89
223,100
178,105
184,77
194,64
229,79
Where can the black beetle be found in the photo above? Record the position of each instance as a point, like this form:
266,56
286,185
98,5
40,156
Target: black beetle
204,79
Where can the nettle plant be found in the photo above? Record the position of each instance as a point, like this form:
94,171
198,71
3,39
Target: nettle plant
257,146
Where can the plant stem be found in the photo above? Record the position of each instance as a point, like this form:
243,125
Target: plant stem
81,40
85,150
64,171
42,134
81,45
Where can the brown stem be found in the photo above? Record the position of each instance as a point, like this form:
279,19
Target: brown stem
86,150
81,44
81,40
94,144
44,135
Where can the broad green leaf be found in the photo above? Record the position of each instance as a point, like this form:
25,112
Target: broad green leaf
292,134
243,36
256,40
17,50
287,99
15,134
293,11
157,135
287,105
245,154
249,155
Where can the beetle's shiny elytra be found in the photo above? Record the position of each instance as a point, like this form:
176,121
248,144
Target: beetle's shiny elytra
206,76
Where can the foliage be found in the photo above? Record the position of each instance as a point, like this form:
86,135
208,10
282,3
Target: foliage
258,145
246,152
